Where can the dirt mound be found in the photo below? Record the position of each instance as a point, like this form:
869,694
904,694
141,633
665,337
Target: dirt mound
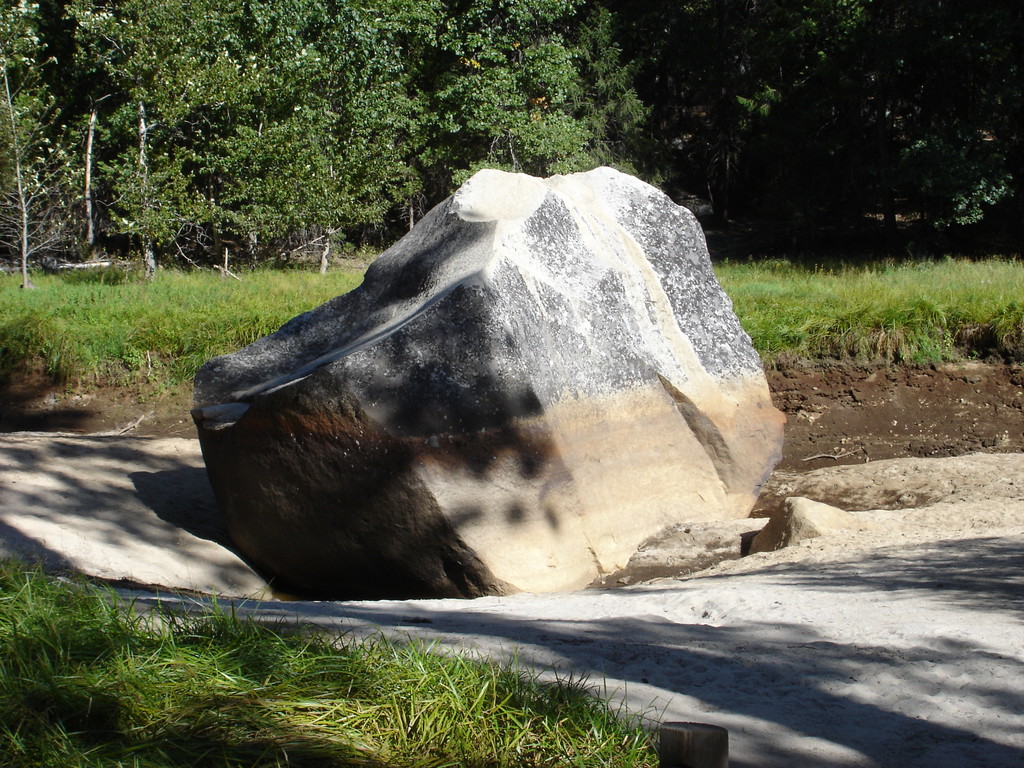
845,414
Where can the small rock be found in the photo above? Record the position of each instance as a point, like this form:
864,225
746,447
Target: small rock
801,519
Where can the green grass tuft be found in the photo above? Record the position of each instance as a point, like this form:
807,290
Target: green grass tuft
122,331
922,312
86,682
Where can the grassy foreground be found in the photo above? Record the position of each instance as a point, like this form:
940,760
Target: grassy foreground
110,327
85,682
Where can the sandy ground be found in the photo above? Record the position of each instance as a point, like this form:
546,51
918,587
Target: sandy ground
119,508
899,656
899,647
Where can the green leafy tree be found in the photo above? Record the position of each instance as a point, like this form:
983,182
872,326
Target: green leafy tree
608,103
320,136
962,91
145,51
832,114
249,121
502,87
511,85
270,124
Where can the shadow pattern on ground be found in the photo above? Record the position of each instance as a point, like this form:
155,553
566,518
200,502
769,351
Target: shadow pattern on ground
813,690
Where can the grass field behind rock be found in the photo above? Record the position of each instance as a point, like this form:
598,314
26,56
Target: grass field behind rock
916,312
111,327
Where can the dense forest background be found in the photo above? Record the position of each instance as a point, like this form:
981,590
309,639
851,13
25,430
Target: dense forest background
182,131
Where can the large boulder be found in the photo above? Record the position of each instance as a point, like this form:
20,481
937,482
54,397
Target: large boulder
538,378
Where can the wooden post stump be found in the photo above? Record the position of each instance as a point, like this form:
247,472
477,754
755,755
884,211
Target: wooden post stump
693,745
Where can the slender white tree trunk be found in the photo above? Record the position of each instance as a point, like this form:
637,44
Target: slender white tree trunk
90,233
325,256
22,197
23,206
148,250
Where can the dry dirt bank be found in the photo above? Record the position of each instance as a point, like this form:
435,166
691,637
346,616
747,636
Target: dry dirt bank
837,414
844,414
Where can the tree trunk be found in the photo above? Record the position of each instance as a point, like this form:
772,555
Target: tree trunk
23,244
90,233
324,255
215,237
23,210
252,246
148,249
148,258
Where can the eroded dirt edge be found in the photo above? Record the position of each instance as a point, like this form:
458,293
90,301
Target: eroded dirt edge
837,414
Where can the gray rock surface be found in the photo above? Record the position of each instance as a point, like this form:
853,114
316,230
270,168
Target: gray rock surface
686,548
541,376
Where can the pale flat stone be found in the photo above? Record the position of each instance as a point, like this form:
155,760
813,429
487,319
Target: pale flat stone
139,510
801,519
